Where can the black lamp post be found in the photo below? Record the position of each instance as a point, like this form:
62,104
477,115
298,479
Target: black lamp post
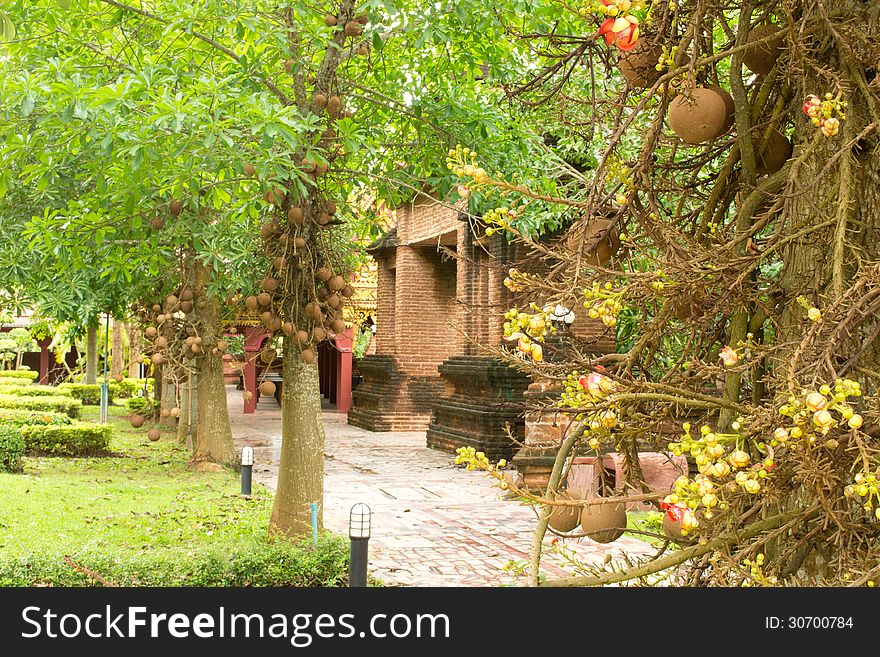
247,467
359,532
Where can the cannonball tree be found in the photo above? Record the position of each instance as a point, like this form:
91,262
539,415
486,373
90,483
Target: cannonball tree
726,236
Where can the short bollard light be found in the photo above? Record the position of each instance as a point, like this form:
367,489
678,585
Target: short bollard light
247,467
359,533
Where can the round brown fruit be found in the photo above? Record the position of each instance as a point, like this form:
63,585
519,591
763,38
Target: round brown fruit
164,412
347,291
323,293
639,65
156,308
775,154
175,207
157,223
313,310
151,332
319,100
266,316
730,117
336,283
267,388
248,395
196,348
222,345
249,170
353,29
278,263
186,306
565,518
308,356
334,106
274,197
323,274
275,324
137,421
762,58
299,243
287,328
338,326
295,215
171,301
333,301
318,334
363,50
329,20
251,302
154,434
161,342
186,295
288,65
268,355
698,116
302,337
118,378
264,298
323,218
604,523
157,359
330,207
160,319
363,19
270,284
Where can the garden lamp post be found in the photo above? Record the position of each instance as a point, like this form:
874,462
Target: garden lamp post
359,532
247,467
105,385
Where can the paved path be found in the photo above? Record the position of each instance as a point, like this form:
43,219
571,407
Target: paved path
433,524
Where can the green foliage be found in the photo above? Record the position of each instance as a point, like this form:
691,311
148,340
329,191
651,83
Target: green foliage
34,390
20,418
59,404
139,517
130,388
4,381
76,439
27,375
11,449
88,393
143,405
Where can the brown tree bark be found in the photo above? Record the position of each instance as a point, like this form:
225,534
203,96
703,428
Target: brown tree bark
301,472
134,349
117,362
91,355
213,443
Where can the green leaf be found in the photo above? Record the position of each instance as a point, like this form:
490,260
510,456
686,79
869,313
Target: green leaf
7,27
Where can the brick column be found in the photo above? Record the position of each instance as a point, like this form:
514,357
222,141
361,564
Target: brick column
253,340
345,344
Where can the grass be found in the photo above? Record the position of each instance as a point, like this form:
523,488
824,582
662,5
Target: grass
141,517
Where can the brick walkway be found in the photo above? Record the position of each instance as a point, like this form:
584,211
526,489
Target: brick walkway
433,524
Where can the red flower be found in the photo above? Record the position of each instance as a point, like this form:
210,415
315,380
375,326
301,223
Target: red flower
622,31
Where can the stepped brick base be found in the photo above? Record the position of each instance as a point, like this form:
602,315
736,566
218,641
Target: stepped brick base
481,399
389,400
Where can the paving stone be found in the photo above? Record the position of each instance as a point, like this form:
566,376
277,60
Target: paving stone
433,524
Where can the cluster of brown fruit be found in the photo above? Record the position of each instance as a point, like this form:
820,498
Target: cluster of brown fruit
603,523
701,114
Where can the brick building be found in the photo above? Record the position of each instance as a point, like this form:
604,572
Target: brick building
440,299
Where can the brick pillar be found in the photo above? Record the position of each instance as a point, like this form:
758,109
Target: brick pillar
345,344
253,339
44,360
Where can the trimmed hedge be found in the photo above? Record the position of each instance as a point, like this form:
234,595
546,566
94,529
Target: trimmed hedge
142,406
130,387
253,564
21,383
88,393
20,374
20,418
77,439
33,390
11,449
58,404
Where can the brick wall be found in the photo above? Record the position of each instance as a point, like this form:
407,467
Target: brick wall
425,219
385,305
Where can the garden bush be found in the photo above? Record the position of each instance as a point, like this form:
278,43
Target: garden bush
142,406
58,404
32,390
30,375
128,388
20,418
22,383
76,439
11,449
253,563
88,393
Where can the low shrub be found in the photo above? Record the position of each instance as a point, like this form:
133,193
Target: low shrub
128,388
20,418
11,449
32,390
76,439
30,375
58,404
88,393
143,406
22,383
251,563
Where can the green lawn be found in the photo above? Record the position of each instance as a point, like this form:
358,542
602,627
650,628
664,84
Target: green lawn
140,517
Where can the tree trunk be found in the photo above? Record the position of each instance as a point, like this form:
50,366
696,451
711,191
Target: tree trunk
213,441
117,362
91,355
301,472
134,350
